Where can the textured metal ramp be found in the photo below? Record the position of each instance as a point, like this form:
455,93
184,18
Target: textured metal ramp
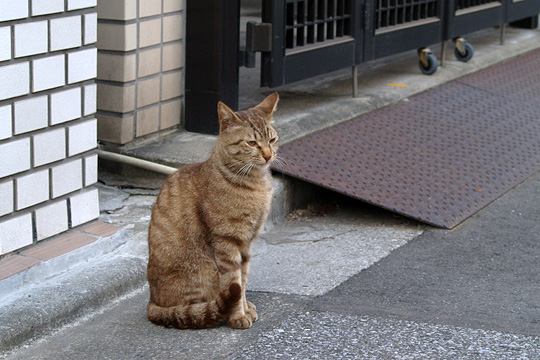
439,157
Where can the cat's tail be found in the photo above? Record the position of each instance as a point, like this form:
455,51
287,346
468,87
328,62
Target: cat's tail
199,315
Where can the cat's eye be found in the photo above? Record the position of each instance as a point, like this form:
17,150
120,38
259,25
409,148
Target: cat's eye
273,140
252,143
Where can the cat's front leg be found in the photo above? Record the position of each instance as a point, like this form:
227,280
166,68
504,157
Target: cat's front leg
229,262
249,308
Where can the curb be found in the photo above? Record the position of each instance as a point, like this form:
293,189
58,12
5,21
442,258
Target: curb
60,300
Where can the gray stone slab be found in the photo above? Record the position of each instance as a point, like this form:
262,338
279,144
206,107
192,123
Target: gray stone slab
310,256
314,335
483,274
121,331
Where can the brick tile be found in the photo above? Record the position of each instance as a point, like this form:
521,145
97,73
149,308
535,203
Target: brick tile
172,85
18,76
14,157
173,56
59,245
173,27
43,7
5,122
148,91
99,228
117,9
115,129
65,32
150,32
119,37
5,43
84,207
11,10
148,120
16,233
13,264
117,67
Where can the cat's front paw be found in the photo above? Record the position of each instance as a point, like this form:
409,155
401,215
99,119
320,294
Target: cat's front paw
241,322
251,311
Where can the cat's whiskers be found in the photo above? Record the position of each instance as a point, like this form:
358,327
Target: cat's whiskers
279,161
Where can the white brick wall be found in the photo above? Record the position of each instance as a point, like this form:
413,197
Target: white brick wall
51,219
49,146
66,178
48,72
31,114
13,9
90,28
48,165
6,197
82,137
14,157
80,4
65,33
82,65
16,233
43,7
90,93
90,170
84,207
5,122
31,38
65,105
32,189
18,78
5,43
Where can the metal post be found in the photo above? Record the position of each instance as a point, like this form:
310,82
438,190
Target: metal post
443,52
212,60
502,34
355,81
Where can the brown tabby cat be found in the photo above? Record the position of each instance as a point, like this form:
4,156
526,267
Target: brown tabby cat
204,221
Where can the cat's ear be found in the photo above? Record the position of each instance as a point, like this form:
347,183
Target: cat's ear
227,117
269,104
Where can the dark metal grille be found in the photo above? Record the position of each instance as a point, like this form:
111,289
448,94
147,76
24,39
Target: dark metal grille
465,4
397,12
315,21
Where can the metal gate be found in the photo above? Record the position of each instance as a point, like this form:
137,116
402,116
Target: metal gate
399,25
520,9
467,16
310,37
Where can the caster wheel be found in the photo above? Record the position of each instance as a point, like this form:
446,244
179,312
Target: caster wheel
464,54
427,62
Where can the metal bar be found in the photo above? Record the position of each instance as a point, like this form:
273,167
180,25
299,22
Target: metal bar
443,52
133,161
212,61
502,34
355,81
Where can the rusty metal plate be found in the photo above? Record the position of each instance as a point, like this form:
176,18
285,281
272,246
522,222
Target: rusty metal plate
517,79
439,157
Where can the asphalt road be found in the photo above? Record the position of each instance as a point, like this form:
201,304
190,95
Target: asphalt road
469,293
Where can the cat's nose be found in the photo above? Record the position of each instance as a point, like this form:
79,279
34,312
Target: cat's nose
267,154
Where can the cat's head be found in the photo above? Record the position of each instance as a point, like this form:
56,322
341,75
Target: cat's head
248,137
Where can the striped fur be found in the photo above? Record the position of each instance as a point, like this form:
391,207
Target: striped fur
204,221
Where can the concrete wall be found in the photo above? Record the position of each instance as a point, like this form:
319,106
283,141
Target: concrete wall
47,118
140,67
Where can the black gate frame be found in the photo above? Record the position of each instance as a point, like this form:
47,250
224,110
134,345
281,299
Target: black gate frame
399,38
282,66
522,9
475,18
213,51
